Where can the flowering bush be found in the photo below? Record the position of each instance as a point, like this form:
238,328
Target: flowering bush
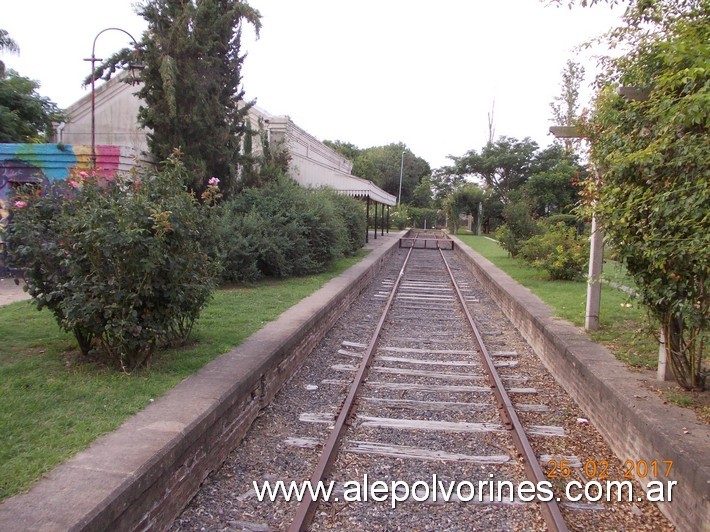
559,251
118,262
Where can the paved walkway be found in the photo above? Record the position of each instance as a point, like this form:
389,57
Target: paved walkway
10,292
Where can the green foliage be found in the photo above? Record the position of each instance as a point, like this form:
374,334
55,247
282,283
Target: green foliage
192,85
518,228
352,213
503,165
554,183
25,116
400,217
282,229
558,251
7,44
422,194
383,164
270,165
422,217
118,263
653,157
464,201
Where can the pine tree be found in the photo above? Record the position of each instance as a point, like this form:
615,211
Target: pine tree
191,89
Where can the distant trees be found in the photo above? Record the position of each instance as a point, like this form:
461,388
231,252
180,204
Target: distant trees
25,116
381,165
565,107
503,165
513,170
192,84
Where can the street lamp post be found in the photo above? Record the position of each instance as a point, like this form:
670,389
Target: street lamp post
93,59
401,169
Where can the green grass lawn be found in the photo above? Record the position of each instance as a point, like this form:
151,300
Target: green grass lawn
51,406
624,326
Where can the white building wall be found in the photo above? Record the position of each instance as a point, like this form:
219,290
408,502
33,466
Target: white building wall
312,162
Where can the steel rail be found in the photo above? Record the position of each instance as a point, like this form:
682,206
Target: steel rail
550,509
307,507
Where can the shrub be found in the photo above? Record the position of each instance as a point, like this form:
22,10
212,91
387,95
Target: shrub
352,212
400,217
558,251
283,229
518,227
422,217
119,263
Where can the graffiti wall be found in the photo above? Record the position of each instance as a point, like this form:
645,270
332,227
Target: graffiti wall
41,163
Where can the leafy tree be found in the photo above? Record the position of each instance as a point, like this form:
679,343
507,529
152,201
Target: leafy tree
554,187
446,180
346,149
382,165
518,228
503,165
192,84
463,201
25,116
652,155
421,196
7,44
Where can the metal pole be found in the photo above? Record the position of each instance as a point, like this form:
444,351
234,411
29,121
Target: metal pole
375,221
367,222
401,170
93,60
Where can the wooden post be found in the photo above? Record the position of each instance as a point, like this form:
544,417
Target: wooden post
388,219
382,220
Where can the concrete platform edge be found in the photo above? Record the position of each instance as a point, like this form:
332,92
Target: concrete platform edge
634,421
142,475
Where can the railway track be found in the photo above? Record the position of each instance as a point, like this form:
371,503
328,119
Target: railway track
426,292
419,418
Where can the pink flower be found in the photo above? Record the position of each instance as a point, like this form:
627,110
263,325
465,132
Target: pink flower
20,204
213,181
74,184
83,175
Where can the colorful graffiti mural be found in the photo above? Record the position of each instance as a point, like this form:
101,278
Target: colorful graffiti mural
42,163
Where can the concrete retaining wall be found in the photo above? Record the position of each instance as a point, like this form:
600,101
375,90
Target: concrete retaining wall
141,476
634,421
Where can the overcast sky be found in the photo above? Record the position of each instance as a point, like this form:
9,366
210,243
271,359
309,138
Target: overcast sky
369,72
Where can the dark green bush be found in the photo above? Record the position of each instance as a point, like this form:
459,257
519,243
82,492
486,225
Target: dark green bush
559,251
570,220
118,263
518,227
352,212
282,229
422,217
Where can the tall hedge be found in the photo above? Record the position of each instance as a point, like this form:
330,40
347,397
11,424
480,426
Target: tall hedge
282,229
